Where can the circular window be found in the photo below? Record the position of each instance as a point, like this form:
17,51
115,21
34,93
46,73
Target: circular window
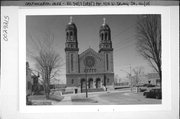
89,61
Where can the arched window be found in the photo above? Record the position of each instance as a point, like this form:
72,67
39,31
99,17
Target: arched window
71,35
107,62
72,81
71,62
105,36
67,35
101,36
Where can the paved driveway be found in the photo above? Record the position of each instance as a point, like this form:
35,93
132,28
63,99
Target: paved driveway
121,98
117,97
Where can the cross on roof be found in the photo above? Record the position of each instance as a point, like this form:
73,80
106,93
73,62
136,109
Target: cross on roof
104,20
71,19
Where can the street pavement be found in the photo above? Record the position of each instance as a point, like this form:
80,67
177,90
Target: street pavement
115,97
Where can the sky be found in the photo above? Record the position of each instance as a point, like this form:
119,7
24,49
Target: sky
123,36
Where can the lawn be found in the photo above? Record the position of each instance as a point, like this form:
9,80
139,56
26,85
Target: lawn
82,98
41,99
128,98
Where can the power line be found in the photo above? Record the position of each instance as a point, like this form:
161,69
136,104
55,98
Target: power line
124,46
127,40
131,26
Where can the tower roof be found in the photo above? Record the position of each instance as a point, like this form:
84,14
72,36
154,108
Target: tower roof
71,25
104,26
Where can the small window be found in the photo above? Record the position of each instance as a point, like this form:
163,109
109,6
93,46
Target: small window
107,80
72,81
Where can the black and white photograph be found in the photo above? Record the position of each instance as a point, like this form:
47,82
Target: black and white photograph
68,62
94,59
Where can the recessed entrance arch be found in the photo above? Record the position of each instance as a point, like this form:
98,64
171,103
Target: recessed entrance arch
98,81
90,83
83,84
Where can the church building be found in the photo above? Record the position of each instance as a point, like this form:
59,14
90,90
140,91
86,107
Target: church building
89,68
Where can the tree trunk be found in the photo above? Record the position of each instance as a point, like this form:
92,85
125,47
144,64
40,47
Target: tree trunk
47,91
160,76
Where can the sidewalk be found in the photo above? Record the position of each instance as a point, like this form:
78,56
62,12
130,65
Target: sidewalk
65,101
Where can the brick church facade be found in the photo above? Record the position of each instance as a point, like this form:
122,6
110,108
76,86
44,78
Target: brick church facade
94,67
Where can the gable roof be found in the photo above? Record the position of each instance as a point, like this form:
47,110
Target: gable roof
90,51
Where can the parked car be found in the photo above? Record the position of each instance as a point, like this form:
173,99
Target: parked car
145,87
153,93
142,89
147,91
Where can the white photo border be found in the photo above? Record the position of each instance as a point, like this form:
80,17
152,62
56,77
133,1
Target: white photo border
166,58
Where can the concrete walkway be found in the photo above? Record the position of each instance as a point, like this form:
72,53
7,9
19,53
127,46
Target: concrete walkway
92,95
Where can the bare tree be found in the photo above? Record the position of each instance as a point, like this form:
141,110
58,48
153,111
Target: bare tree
48,61
137,71
149,40
117,79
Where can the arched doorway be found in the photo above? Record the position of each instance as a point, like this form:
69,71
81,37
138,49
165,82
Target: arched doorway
98,80
90,83
83,84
